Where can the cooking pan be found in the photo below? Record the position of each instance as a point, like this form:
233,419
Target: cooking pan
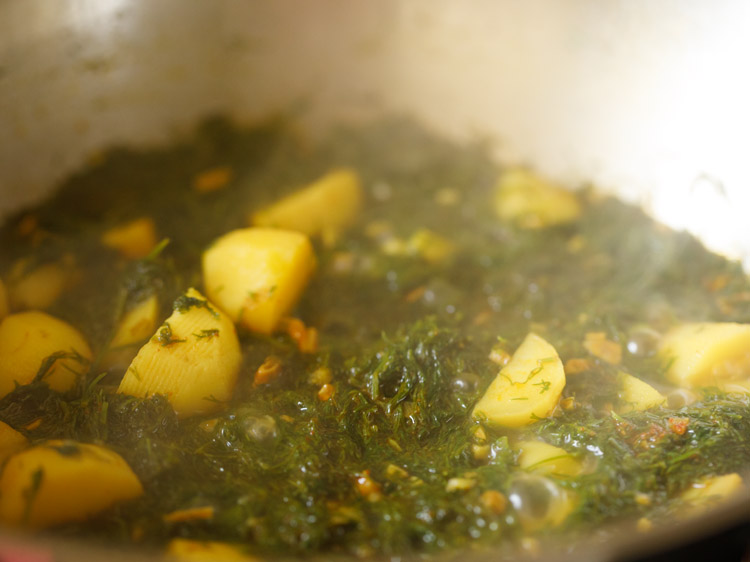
647,100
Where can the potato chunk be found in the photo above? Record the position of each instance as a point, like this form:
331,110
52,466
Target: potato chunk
709,492
530,201
325,207
543,458
134,239
636,395
28,339
707,353
136,326
526,389
193,359
11,441
206,551
38,287
256,275
61,481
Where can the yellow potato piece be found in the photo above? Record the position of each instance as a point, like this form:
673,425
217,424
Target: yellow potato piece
543,458
134,239
636,395
11,441
707,353
256,275
37,288
530,201
206,551
3,300
526,389
711,491
61,481
193,359
27,339
430,246
328,205
136,326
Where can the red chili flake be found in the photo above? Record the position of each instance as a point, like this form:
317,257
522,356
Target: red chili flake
650,437
678,425
269,370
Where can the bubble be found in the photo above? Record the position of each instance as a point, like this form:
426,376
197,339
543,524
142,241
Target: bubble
681,397
643,341
538,501
465,383
260,428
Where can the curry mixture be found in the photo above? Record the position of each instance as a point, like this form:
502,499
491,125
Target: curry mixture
249,344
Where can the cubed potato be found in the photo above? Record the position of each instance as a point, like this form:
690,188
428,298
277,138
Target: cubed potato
30,339
430,246
711,491
193,359
636,395
62,481
11,441
37,288
256,275
543,458
326,206
206,551
526,389
3,300
135,327
133,239
530,201
707,353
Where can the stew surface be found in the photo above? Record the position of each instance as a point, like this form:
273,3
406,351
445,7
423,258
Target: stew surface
364,420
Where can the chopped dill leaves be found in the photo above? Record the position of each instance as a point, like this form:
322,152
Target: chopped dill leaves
545,385
164,337
183,303
207,334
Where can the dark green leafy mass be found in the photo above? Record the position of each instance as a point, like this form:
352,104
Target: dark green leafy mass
388,460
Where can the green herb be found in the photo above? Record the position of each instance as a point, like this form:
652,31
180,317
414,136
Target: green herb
183,303
207,333
544,384
164,337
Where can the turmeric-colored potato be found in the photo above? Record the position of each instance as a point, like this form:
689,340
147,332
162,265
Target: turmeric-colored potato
430,246
526,389
11,441
206,551
39,287
256,275
29,339
636,395
707,353
193,359
61,481
326,206
530,201
3,300
136,326
134,239
711,491
543,458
